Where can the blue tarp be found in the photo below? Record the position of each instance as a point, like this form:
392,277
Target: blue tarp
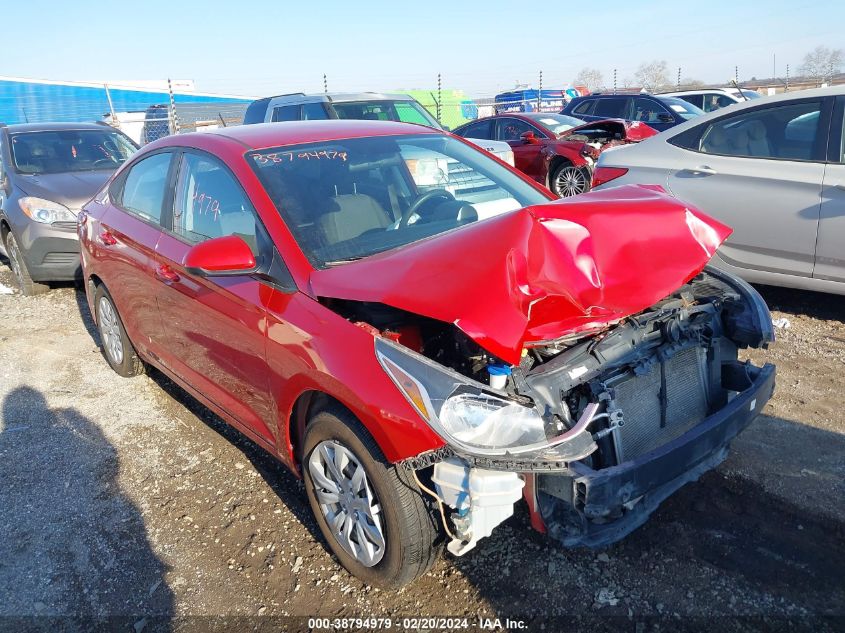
36,102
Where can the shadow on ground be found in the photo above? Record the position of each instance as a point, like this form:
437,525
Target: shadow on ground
83,540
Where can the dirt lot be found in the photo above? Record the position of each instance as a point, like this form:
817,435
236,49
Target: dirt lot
126,498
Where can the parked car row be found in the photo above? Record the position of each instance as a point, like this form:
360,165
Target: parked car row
424,333
773,169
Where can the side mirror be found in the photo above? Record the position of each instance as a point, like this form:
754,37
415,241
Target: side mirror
665,118
219,257
529,139
4,184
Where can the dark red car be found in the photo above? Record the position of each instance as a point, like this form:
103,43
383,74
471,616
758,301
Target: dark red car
556,150
424,334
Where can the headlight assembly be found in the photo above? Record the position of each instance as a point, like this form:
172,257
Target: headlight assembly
475,419
46,211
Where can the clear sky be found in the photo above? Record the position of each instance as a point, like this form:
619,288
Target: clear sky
258,48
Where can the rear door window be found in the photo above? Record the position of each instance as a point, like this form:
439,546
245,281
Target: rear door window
313,112
612,108
482,129
144,187
584,107
785,132
287,113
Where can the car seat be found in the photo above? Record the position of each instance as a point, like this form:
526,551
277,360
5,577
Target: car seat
715,141
350,215
758,142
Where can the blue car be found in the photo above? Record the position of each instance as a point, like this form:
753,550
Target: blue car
661,113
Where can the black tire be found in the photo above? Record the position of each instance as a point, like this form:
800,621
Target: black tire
26,284
411,531
568,180
115,344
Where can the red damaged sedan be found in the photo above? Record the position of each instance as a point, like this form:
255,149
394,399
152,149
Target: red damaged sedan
423,334
556,150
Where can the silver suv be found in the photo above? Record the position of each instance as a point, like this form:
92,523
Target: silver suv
373,106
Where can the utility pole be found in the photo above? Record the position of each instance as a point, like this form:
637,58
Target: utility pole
679,77
614,81
325,84
736,75
540,91
787,78
439,97
174,120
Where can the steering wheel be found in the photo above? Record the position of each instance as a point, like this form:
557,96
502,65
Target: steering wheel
420,201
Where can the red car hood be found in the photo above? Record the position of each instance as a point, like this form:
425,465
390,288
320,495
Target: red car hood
630,131
540,272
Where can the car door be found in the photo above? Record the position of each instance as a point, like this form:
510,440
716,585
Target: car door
527,156
126,237
759,171
215,327
652,112
830,247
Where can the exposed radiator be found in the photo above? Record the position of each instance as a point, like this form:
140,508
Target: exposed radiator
639,397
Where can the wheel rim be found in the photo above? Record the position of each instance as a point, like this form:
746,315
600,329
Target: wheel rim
12,248
110,331
570,181
346,498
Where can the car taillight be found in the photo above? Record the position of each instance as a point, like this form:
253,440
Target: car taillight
602,175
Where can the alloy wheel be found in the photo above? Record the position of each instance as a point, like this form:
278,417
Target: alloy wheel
110,330
570,181
347,500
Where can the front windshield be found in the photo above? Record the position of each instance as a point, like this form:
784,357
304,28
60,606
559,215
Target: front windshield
348,199
682,108
61,151
406,111
749,94
557,123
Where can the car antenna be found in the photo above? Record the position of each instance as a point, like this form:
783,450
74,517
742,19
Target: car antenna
736,85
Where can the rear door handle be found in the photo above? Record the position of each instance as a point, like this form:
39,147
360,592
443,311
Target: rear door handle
107,238
701,170
166,274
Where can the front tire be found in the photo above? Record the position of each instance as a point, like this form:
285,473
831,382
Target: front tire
26,284
569,180
371,513
117,348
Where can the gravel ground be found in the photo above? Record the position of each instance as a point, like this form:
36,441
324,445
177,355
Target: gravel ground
125,498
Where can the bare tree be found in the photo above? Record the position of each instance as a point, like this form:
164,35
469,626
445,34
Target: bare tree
688,83
590,77
822,63
653,76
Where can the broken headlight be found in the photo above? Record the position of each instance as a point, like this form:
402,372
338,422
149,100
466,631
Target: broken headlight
473,418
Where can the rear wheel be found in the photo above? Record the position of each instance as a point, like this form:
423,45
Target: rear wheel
371,512
569,180
27,286
117,348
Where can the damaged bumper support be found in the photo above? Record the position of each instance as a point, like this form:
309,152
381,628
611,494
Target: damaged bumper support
580,506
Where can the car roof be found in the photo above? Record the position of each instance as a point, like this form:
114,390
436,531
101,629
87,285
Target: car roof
340,97
49,127
262,135
677,93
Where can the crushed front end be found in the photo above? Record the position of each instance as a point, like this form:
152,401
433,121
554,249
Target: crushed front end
594,429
